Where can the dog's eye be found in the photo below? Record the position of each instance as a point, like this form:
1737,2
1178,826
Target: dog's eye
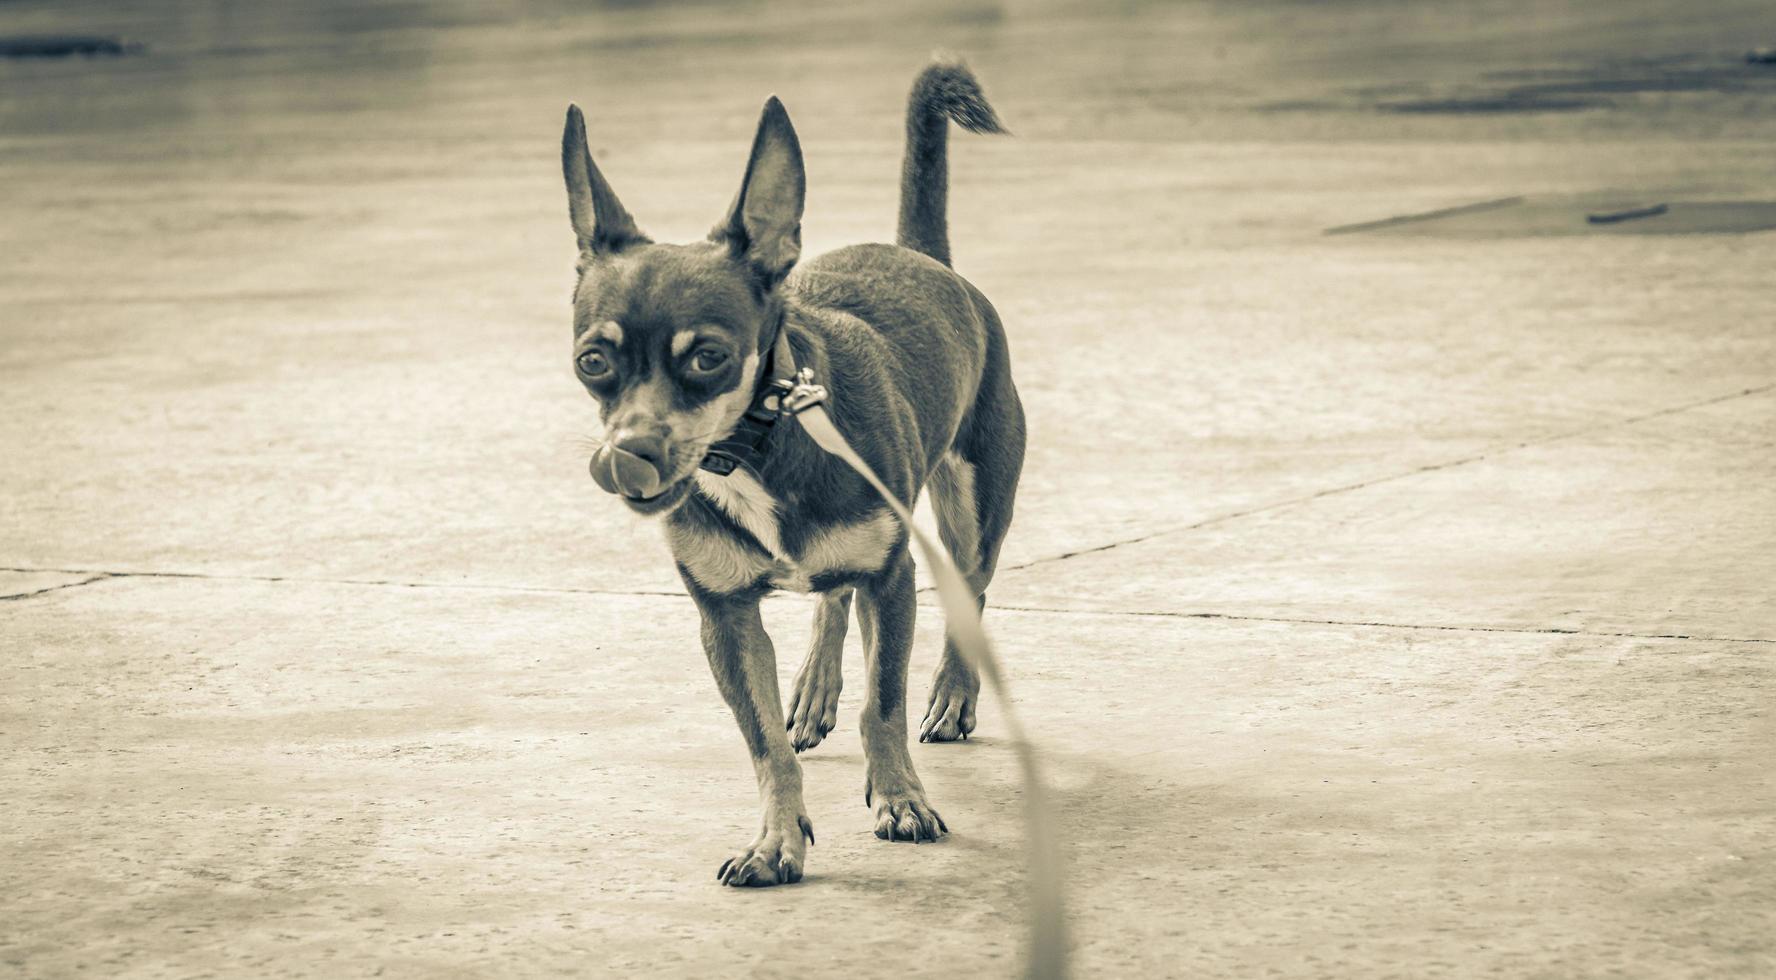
593,364
708,359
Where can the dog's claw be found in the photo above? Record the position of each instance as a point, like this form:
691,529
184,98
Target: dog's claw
775,857
814,707
909,818
950,716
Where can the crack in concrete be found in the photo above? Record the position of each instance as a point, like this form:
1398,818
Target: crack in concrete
99,577
1377,481
316,580
1381,624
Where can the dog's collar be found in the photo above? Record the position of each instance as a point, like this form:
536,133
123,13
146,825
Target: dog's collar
745,446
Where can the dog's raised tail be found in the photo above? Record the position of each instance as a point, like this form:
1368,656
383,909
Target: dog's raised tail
946,90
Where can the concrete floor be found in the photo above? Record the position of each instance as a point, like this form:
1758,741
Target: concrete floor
1387,605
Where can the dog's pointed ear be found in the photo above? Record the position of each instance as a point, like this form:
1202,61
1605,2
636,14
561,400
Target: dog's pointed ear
764,226
599,220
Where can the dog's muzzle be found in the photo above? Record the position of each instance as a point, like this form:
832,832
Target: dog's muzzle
621,472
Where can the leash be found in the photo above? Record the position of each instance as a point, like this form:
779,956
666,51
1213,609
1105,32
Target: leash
799,397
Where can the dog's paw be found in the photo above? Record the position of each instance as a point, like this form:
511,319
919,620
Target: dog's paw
950,713
814,707
905,816
776,857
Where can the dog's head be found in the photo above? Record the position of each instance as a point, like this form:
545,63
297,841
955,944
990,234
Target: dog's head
670,338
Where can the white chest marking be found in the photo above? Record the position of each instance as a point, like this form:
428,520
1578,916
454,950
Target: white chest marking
742,498
720,563
715,559
859,547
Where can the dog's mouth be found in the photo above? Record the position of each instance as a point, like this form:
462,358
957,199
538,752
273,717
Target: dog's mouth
662,501
637,481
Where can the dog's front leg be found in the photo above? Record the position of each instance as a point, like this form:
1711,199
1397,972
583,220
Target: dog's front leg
745,667
886,606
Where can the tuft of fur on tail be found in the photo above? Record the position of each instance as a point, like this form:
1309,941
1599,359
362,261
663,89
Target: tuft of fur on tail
946,90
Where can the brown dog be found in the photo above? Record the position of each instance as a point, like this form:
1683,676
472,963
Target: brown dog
681,344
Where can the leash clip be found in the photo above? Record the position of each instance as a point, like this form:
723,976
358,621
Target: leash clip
800,393
785,397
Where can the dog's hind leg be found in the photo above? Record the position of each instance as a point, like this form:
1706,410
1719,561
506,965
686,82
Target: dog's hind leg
955,687
972,491
745,668
885,611
814,703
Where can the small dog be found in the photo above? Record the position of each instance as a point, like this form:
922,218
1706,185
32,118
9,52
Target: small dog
683,347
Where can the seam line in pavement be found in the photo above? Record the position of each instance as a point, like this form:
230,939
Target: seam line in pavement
97,576
54,588
1378,624
1365,484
